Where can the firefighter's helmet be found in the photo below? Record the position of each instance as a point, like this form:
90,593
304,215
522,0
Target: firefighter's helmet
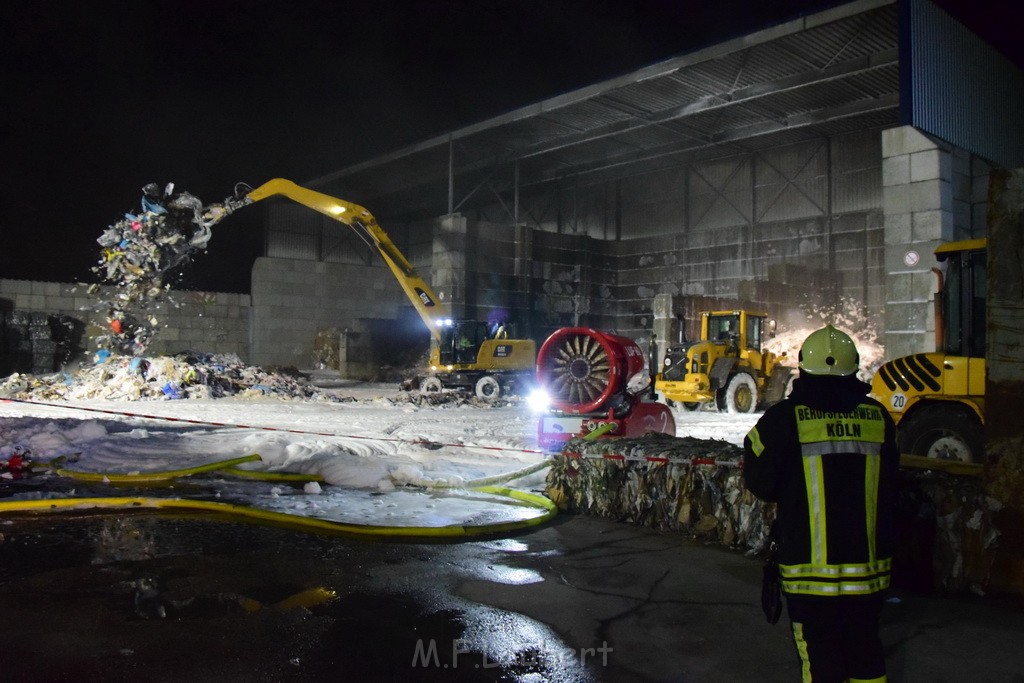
829,351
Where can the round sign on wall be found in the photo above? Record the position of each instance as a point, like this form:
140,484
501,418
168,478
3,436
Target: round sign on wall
911,258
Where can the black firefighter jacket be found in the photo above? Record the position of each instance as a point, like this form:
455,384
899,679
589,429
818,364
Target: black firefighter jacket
827,456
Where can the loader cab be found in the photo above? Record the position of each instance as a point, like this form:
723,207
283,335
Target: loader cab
723,329
738,330
961,299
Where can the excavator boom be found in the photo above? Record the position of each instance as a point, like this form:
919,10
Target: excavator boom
427,304
465,354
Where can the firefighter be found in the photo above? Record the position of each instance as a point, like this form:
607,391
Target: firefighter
827,457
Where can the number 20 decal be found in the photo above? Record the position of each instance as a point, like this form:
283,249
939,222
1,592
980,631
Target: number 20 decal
898,402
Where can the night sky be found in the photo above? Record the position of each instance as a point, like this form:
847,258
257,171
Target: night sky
101,98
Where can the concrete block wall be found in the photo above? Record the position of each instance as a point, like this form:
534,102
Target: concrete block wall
917,197
294,301
569,283
451,277
56,297
212,322
933,192
500,272
613,285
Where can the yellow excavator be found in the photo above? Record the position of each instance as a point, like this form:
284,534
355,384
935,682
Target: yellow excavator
938,399
464,354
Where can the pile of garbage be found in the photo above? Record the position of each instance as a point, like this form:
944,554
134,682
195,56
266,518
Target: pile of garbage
187,375
195,375
139,260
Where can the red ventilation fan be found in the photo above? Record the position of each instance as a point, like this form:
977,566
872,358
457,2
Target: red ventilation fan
587,375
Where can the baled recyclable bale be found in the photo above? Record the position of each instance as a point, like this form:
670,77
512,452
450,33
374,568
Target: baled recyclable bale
948,534
681,484
946,523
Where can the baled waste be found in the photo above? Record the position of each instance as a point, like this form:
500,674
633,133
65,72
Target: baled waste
947,523
679,484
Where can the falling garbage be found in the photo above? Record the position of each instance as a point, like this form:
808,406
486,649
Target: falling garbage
140,261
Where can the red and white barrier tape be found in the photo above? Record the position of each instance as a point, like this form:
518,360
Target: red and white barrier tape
661,459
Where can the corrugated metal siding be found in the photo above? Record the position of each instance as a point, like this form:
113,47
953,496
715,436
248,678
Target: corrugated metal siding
791,182
962,90
293,232
720,194
857,172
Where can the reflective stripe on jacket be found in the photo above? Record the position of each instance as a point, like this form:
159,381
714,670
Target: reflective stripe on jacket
833,476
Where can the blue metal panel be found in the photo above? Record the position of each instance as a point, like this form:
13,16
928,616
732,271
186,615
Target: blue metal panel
958,88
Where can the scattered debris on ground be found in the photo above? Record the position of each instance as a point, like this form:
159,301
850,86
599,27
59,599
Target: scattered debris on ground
133,378
198,376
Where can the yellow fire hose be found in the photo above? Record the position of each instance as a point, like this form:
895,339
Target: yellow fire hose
259,475
152,477
298,522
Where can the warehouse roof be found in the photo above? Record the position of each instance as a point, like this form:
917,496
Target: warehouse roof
821,75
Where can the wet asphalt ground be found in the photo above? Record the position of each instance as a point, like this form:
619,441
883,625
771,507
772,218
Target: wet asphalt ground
143,597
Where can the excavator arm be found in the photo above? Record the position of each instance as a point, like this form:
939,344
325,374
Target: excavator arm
427,304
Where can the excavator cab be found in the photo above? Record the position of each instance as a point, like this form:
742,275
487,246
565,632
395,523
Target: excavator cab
461,340
480,357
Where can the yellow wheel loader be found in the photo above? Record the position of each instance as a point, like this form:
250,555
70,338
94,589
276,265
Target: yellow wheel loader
727,366
938,399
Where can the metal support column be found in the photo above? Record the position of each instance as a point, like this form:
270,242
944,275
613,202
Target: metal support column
451,175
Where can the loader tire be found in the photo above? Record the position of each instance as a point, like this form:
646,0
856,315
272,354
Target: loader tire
740,394
943,432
